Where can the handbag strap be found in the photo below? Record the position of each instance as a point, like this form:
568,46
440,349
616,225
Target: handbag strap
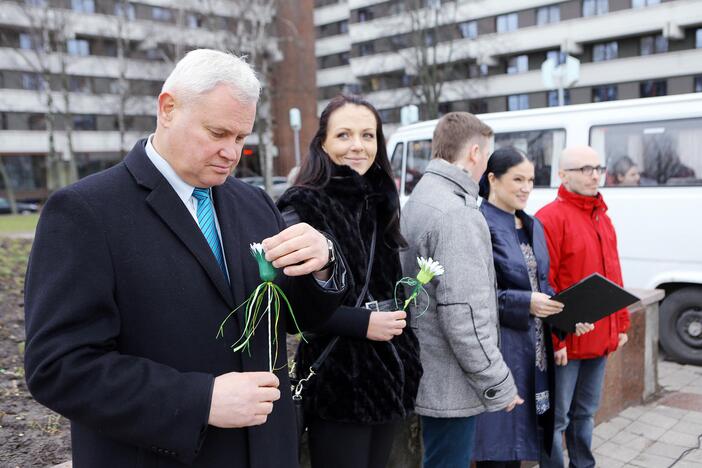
328,349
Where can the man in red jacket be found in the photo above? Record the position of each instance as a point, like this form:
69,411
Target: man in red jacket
581,241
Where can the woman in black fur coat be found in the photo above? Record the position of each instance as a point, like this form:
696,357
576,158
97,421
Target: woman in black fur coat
369,381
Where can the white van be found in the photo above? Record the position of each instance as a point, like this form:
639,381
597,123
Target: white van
658,221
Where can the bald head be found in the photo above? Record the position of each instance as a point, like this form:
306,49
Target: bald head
578,156
574,180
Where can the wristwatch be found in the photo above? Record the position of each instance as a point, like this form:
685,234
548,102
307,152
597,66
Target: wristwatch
332,255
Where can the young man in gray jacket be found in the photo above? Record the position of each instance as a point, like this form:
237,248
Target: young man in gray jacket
464,373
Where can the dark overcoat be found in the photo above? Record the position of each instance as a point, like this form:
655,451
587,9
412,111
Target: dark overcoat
361,381
123,302
514,435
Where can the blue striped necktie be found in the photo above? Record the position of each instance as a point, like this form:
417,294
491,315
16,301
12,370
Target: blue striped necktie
205,218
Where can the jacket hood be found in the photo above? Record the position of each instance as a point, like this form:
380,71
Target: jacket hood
461,178
581,201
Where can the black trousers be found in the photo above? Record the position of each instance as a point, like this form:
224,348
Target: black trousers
347,445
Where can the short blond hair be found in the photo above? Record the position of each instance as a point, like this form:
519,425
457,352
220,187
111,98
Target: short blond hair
454,131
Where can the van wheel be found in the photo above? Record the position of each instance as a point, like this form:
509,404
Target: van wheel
681,325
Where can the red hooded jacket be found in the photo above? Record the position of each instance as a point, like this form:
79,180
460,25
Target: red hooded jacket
581,241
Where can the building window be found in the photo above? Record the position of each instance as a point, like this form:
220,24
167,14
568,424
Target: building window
343,27
595,7
468,29
604,93
698,39
548,14
364,14
36,122
429,38
698,84
79,84
552,98
83,6
654,44
507,23
518,64
517,102
31,81
643,3
3,121
125,10
366,48
653,88
78,47
193,21
161,14
479,106
25,41
557,56
605,51
84,122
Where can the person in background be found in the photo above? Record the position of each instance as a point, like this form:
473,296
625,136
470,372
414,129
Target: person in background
464,372
367,384
521,259
624,172
581,240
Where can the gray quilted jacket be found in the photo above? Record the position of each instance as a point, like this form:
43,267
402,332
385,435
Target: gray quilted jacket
464,373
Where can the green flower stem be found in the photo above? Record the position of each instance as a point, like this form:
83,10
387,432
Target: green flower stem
253,315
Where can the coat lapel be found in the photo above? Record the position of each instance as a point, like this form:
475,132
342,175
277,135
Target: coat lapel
234,239
167,206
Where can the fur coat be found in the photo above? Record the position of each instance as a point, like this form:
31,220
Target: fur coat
361,381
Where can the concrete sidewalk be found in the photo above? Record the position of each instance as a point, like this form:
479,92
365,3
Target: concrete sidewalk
661,434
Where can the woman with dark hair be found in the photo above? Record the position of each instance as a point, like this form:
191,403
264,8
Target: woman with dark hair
368,380
521,266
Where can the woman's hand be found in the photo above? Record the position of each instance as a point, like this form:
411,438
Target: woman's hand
542,306
384,326
561,357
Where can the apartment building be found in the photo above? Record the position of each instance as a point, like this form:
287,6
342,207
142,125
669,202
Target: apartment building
85,50
490,52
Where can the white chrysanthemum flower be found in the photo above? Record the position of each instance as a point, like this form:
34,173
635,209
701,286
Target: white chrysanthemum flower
428,269
256,248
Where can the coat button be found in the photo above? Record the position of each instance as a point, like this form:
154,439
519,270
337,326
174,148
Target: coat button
490,393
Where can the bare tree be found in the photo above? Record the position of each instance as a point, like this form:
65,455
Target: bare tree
47,31
9,189
254,35
427,57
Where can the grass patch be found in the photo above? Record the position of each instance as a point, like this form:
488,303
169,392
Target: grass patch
13,264
10,224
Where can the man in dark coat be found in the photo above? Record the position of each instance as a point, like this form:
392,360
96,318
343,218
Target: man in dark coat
132,272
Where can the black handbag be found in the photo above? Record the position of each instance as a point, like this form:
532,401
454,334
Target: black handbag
297,384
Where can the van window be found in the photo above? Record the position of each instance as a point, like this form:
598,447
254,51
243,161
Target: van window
540,146
651,153
396,164
418,156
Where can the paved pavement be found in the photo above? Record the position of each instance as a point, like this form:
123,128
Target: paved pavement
664,433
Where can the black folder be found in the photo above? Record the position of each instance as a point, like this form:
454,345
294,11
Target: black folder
589,300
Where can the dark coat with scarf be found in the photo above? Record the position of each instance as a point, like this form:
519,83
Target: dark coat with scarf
361,381
513,435
123,302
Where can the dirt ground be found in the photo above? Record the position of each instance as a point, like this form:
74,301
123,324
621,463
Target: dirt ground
30,435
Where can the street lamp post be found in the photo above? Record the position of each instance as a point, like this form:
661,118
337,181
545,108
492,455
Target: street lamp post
296,125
